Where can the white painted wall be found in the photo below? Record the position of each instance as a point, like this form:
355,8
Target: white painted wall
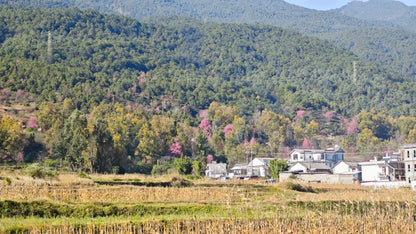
370,172
298,167
342,167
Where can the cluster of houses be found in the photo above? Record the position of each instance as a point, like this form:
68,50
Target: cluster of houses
329,166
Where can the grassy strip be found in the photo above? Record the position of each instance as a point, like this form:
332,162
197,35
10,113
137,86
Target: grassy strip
174,182
360,208
45,209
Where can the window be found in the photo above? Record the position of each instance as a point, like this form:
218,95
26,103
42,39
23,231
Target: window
414,166
408,167
322,157
295,157
408,154
414,153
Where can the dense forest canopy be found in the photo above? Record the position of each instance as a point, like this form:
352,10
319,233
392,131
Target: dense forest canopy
343,27
115,94
91,58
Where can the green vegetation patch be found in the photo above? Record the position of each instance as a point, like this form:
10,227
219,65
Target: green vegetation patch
361,208
174,182
45,209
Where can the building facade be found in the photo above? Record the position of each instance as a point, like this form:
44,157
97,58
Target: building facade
408,153
329,156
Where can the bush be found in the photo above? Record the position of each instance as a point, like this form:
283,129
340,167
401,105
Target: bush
163,168
35,170
300,188
83,175
193,177
183,165
180,182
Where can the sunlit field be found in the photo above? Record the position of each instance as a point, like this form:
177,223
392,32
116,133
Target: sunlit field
172,204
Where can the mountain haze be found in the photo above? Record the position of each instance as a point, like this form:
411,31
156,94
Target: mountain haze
382,10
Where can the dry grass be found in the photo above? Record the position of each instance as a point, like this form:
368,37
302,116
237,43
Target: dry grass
252,206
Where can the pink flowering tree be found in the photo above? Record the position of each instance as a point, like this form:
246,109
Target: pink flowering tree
329,115
307,144
227,129
352,126
206,127
203,113
300,114
210,158
175,148
32,123
19,157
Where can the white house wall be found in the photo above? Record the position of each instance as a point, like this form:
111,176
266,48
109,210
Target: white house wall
341,168
298,167
370,172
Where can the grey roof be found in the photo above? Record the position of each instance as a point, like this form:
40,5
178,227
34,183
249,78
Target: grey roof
266,160
408,146
350,164
314,165
300,150
240,166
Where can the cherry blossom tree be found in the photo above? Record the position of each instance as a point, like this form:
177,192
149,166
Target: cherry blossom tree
227,129
352,126
32,123
300,114
329,115
210,158
175,148
206,127
307,144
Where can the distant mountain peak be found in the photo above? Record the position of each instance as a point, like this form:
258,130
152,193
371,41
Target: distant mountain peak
380,10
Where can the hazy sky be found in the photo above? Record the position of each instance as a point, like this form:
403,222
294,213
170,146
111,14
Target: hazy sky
332,4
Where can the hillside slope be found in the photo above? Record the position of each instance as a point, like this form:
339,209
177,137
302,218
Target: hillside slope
343,27
92,58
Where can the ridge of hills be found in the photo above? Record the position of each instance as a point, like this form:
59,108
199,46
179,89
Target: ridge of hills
388,11
345,27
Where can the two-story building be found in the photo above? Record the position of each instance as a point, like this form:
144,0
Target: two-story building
408,153
329,156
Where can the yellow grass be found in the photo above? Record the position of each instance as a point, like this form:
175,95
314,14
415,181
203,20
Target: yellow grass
251,206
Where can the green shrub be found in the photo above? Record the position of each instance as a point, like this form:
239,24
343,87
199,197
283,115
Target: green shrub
36,170
300,188
7,180
193,177
180,182
83,175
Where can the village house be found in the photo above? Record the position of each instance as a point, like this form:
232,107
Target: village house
310,167
345,167
408,153
387,169
239,170
259,167
329,156
216,170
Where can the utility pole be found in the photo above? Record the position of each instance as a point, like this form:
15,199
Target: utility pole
49,52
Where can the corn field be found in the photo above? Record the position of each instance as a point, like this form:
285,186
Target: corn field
82,206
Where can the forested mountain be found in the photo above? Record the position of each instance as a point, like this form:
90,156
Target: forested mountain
347,28
382,10
115,94
91,57
269,12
